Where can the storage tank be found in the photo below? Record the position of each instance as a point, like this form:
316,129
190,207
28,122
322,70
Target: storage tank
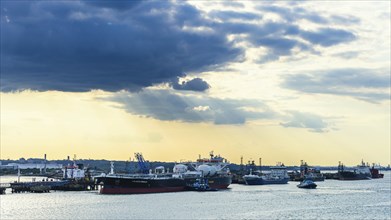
180,168
207,170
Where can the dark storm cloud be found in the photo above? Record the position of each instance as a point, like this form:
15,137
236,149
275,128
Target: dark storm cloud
114,45
196,84
72,47
167,106
313,122
364,84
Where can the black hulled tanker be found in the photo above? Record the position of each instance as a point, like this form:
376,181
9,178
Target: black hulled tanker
134,184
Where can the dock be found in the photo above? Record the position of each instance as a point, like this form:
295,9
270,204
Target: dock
47,186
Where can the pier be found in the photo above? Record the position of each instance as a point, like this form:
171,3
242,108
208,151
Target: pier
47,186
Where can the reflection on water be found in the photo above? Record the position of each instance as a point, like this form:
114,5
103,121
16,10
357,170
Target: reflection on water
366,199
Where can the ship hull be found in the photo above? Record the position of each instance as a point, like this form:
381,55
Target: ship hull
127,190
253,181
346,175
219,182
261,181
141,185
378,176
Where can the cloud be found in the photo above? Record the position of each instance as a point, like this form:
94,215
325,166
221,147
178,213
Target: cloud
293,14
70,46
168,106
328,36
313,122
117,5
347,55
298,12
364,84
228,15
86,45
196,84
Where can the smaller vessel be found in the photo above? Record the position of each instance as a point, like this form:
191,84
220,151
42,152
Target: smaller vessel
361,172
307,172
307,184
253,179
200,185
375,173
278,175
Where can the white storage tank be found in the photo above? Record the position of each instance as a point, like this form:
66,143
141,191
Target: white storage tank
207,170
180,168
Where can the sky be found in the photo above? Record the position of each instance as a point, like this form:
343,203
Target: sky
279,80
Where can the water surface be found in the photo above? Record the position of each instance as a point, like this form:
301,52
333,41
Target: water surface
365,199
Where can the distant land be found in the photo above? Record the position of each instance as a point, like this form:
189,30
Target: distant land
36,165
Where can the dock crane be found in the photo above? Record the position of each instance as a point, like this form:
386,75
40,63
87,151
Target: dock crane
141,163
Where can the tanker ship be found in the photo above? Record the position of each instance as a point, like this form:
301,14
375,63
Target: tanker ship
146,182
135,184
213,169
361,172
278,175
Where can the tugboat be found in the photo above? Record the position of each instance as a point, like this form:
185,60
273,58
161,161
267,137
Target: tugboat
277,175
361,172
375,173
146,182
200,185
307,184
213,169
307,172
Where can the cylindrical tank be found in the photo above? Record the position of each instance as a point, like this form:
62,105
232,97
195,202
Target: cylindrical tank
180,168
207,170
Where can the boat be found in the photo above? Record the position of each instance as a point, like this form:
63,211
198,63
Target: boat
78,178
253,178
375,173
307,184
145,182
201,185
278,175
136,184
307,172
361,172
214,169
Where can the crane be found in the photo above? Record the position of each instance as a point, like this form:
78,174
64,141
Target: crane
141,163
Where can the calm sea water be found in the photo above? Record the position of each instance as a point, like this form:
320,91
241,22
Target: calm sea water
366,199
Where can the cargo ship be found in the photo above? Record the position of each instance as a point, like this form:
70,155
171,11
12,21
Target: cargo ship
135,184
278,175
361,172
214,170
144,182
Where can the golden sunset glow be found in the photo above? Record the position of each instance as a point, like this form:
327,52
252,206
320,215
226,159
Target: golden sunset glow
273,81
